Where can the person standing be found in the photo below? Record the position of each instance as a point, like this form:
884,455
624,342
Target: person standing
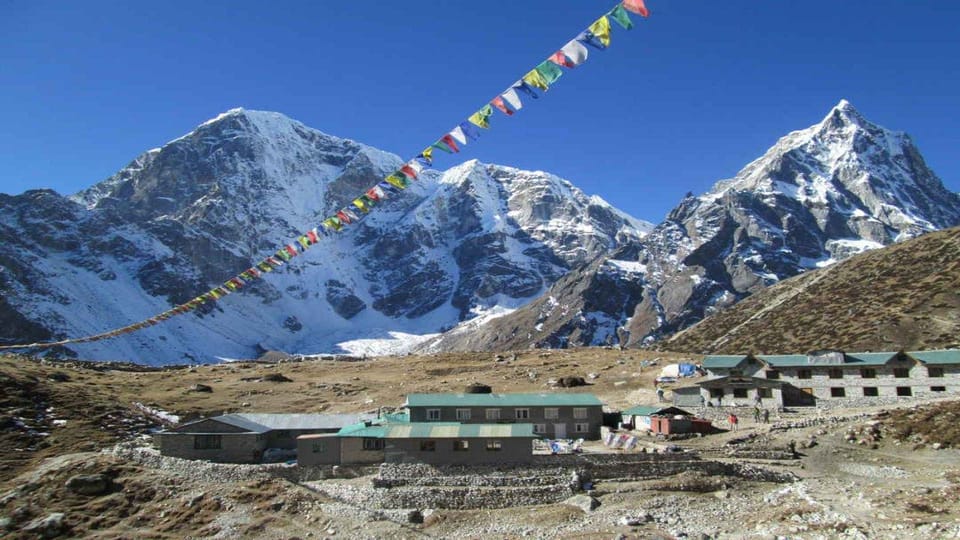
766,415
733,421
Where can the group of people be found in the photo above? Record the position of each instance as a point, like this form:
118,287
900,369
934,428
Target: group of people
760,414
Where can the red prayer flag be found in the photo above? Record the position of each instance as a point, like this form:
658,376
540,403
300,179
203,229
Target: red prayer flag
636,6
291,250
499,104
343,217
561,59
407,170
312,236
450,142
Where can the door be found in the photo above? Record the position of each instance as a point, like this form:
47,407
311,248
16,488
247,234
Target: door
559,431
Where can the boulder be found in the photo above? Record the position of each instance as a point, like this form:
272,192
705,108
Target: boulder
583,502
89,484
50,526
570,382
200,388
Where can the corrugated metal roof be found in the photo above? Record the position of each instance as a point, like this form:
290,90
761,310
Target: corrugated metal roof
269,421
951,356
785,360
363,430
868,359
722,361
239,421
436,430
646,410
501,400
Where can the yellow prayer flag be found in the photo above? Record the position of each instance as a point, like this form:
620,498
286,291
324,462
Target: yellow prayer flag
601,29
534,78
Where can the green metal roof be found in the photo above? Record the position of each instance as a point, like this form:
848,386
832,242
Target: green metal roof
640,410
438,430
951,356
396,418
868,359
362,430
501,400
723,361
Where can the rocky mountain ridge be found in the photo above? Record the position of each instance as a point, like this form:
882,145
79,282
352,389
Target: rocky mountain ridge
819,195
183,218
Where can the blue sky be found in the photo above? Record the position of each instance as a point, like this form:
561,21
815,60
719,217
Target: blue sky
686,98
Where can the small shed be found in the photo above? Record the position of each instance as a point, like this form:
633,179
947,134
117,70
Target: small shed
639,417
669,425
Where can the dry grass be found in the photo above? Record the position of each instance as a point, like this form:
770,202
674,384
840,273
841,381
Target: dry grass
903,297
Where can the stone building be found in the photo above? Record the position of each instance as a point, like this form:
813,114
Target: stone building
435,443
243,438
801,379
554,415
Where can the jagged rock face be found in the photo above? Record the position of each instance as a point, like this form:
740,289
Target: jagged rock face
819,195
183,218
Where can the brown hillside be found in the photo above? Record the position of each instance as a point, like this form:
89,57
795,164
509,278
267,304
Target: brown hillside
906,296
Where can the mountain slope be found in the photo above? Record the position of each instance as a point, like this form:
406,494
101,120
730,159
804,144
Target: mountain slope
902,297
819,195
185,217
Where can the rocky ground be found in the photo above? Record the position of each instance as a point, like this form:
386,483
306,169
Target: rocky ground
71,466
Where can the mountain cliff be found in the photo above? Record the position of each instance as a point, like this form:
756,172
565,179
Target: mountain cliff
819,195
183,218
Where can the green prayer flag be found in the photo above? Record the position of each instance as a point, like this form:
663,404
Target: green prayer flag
549,71
620,15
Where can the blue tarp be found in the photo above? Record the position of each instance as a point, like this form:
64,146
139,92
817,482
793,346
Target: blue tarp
687,370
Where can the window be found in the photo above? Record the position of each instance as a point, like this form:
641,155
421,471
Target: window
870,391
904,391
433,414
551,413
494,446
522,414
206,442
868,373
461,446
581,428
580,412
740,393
716,392
835,373
838,392
804,374
319,447
938,388
370,443
901,373
428,446
539,428
765,392
935,372
773,374
463,414
493,414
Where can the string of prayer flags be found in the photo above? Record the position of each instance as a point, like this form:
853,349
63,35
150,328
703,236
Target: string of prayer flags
574,53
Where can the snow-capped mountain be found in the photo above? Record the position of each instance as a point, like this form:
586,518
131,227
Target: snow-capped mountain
817,196
183,218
